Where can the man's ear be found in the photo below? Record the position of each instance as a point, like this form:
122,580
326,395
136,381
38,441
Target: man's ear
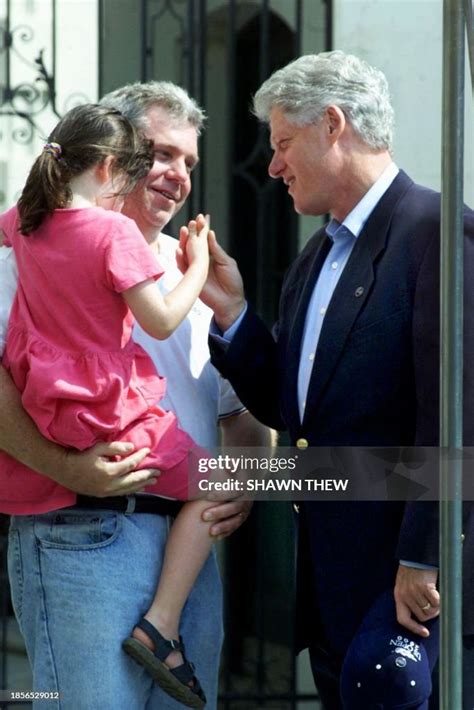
104,169
335,121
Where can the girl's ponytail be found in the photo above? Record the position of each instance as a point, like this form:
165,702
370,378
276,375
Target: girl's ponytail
84,137
45,190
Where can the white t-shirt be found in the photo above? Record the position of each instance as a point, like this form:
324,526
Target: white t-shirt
8,283
196,393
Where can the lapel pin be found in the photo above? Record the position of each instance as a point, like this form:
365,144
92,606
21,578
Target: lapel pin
359,291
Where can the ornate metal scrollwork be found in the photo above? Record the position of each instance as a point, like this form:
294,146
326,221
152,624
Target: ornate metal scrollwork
30,98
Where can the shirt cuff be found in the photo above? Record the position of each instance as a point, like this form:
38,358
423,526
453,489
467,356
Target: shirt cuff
416,565
228,334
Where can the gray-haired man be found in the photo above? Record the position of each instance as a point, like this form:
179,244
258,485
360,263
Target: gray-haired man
355,362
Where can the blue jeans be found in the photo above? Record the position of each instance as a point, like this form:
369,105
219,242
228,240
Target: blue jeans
80,581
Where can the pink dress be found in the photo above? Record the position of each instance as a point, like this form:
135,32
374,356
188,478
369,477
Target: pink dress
70,352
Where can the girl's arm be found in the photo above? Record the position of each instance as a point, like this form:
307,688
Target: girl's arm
160,315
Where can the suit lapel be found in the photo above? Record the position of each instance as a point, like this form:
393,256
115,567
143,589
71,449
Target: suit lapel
352,291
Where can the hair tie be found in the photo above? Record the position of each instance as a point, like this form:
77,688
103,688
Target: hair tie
54,149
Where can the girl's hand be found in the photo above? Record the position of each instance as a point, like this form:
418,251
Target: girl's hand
181,260
196,248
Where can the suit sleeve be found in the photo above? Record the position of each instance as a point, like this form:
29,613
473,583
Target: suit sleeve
250,363
256,361
419,532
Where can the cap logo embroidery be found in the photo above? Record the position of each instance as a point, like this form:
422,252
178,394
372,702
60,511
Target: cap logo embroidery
405,647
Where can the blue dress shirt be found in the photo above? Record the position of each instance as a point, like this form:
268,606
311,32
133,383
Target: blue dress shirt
344,237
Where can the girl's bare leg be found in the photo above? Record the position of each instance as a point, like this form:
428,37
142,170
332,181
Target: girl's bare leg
187,550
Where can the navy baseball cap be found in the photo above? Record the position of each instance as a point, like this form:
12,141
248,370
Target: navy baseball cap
386,666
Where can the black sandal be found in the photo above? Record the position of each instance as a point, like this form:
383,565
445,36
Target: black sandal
174,681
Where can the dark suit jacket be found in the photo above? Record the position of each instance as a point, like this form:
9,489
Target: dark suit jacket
374,383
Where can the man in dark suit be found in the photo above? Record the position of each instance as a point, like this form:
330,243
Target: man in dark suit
354,361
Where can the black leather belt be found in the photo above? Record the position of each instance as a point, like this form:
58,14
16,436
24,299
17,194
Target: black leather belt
131,504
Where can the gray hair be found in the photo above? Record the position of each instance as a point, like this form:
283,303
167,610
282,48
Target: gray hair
134,100
308,85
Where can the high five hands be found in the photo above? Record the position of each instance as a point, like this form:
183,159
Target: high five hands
223,291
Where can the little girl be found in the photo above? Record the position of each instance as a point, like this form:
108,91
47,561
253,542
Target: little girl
84,269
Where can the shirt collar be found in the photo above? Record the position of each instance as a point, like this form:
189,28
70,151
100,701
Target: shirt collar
356,219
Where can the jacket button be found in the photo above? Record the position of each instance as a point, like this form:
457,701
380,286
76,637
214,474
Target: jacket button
296,507
463,537
302,443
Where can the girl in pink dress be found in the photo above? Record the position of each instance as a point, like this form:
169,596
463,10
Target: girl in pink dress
84,269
